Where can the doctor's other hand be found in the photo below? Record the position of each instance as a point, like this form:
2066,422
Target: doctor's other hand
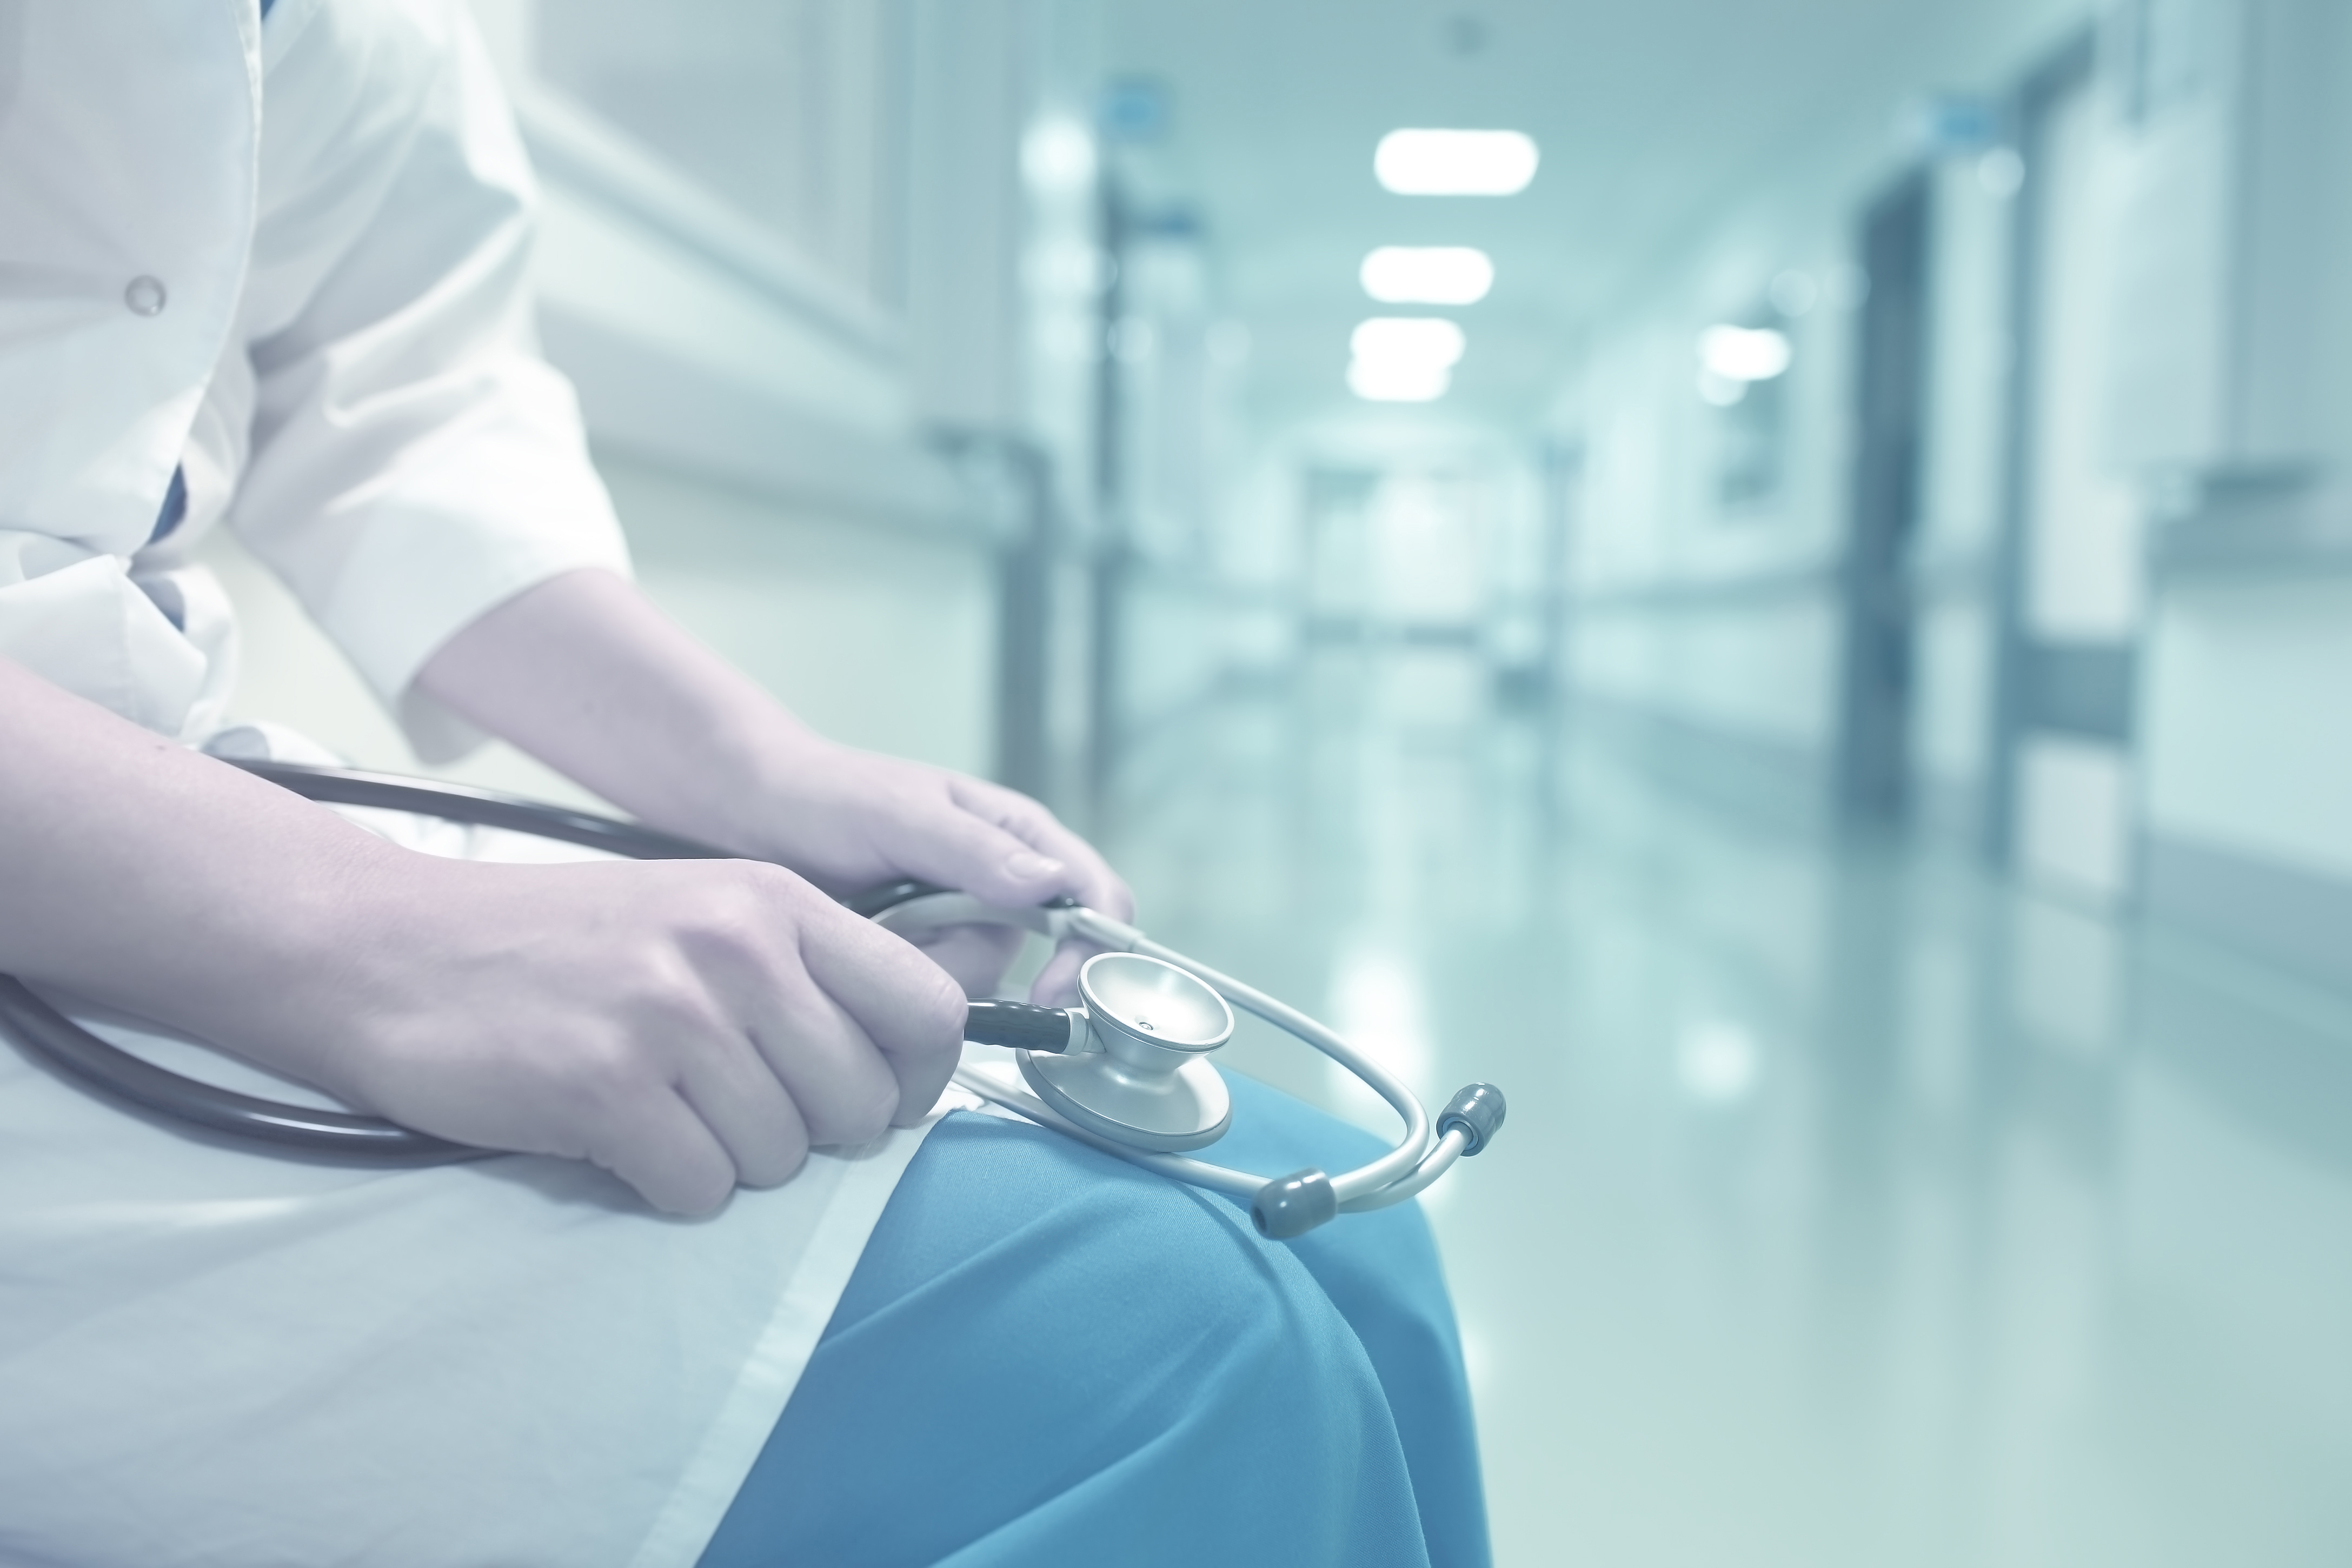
690,1025
585,674
852,820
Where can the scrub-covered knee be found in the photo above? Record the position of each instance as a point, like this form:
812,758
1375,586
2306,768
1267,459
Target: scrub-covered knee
1056,1357
1382,1268
1243,1423
1381,1271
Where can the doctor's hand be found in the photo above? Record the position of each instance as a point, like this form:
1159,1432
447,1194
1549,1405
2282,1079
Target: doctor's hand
850,819
690,1026
585,674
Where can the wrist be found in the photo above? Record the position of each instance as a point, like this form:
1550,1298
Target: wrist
750,794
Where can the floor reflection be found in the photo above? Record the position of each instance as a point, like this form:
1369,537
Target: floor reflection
1853,1209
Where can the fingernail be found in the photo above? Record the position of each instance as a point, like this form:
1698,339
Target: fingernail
1028,866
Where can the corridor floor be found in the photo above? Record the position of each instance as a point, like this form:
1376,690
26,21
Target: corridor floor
1855,1209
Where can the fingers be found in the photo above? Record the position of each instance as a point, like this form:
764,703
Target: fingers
1083,873
746,1108
787,1070
846,1089
1057,984
666,1151
1005,848
898,1002
960,850
975,957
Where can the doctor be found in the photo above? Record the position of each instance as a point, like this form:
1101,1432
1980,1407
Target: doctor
267,271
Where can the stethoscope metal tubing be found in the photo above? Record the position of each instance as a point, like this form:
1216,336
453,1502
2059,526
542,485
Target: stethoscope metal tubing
1353,1191
159,1093
1416,1160
1449,1148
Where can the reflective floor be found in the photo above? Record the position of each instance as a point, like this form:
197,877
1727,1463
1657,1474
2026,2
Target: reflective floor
1853,1209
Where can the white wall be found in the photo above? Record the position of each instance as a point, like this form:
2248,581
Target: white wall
1720,613
1727,616
2201,390
879,637
1763,671
2246,746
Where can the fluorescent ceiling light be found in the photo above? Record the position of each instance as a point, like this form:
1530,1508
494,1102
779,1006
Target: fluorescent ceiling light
1057,157
1743,353
1719,390
1378,381
1427,275
1430,341
1455,163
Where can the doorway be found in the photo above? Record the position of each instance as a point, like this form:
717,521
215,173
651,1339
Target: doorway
2063,779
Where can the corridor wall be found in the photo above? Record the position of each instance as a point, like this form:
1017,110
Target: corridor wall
2211,424
1708,611
2247,812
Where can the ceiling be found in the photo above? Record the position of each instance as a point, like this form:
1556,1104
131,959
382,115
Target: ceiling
1654,118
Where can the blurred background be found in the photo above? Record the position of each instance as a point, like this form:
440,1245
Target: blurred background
1788,600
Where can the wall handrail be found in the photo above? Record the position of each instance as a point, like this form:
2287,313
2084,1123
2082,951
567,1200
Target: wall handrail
573,145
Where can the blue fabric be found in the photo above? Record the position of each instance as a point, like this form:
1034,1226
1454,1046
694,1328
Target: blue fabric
1047,1356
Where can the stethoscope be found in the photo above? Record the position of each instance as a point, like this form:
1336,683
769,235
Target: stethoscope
1126,1071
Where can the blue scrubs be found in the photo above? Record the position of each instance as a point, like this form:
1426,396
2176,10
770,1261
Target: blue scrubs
1049,1357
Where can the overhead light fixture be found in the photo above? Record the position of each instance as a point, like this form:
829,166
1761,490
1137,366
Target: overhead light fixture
1720,391
1427,275
1408,340
1404,359
1719,1063
1743,353
1379,383
1057,157
1455,163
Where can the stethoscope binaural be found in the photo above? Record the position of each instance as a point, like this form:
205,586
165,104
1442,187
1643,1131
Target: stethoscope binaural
1126,1071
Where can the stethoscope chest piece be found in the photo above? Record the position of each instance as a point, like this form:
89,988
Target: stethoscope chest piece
1141,1075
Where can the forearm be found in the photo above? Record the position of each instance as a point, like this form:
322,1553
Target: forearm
586,675
157,879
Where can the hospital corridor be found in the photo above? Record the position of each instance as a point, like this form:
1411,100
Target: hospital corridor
1286,783
1881,1213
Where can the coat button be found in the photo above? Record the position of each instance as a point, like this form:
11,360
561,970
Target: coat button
144,295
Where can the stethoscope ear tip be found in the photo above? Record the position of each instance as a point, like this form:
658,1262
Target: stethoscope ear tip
1477,1109
1289,1206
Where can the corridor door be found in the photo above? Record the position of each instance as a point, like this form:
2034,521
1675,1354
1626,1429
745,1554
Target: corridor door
2064,800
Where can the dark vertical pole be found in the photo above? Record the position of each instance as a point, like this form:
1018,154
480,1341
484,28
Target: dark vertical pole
1024,603
1875,717
1563,472
1112,545
1025,596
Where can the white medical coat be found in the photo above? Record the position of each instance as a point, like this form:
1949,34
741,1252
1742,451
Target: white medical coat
334,214
290,261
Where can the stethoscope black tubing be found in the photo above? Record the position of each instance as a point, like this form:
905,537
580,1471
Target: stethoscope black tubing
142,1087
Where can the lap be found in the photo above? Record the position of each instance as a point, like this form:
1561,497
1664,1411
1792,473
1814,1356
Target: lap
1381,1271
1048,1355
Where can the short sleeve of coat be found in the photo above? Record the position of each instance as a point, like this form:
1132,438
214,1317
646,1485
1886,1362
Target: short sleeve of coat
415,462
